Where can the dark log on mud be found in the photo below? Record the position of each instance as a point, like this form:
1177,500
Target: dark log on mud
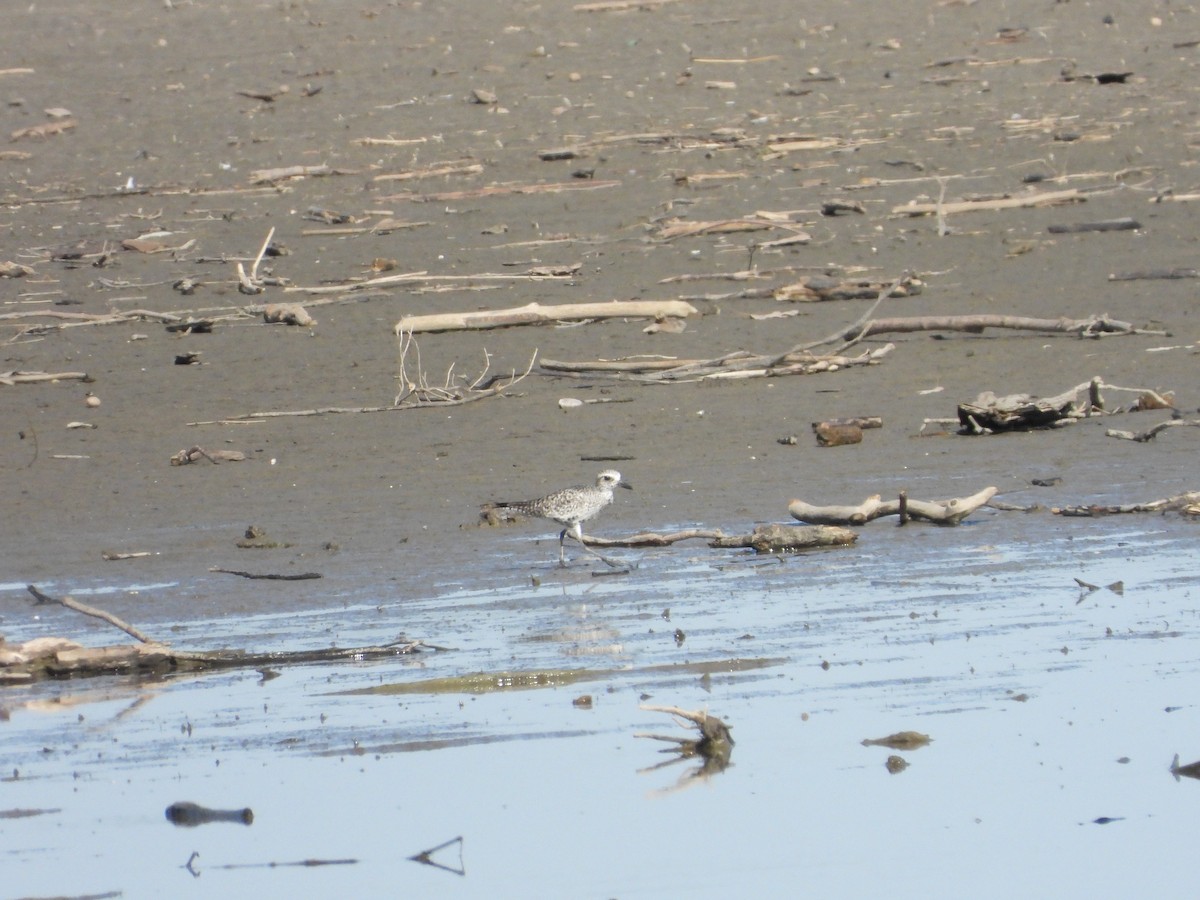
989,414
1124,224
939,512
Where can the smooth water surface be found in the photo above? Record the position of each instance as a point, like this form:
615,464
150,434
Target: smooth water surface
1054,714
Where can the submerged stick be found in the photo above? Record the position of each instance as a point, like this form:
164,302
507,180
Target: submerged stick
108,617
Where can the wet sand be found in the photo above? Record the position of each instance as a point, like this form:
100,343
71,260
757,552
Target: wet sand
384,505
155,98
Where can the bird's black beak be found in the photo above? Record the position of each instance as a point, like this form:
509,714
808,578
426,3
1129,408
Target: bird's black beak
625,484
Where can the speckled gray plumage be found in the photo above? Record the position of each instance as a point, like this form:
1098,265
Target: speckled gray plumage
570,507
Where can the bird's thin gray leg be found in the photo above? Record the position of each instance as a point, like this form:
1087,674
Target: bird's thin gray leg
616,564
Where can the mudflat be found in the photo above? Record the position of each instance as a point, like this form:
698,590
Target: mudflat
476,143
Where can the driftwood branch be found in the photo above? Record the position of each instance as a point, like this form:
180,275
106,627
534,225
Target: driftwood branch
451,392
1187,504
1093,326
713,744
59,657
534,273
940,512
764,538
1150,433
1021,201
11,378
537,314
739,364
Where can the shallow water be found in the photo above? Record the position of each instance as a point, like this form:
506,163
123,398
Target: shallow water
1049,709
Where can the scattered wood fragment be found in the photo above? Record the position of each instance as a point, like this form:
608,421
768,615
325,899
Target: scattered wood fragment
287,314
16,377
640,539
863,422
1152,274
671,229
1186,504
837,434
43,131
901,740
267,96
939,512
621,5
821,288
15,270
537,314
988,413
151,245
287,173
1150,433
534,273
115,555
1124,224
788,538
500,190
191,326
837,207
459,167
195,454
1020,201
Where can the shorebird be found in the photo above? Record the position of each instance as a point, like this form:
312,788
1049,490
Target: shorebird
570,507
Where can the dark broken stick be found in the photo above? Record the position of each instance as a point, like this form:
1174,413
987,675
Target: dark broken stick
304,576
108,617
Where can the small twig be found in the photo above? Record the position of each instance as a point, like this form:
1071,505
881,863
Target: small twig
304,576
261,253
